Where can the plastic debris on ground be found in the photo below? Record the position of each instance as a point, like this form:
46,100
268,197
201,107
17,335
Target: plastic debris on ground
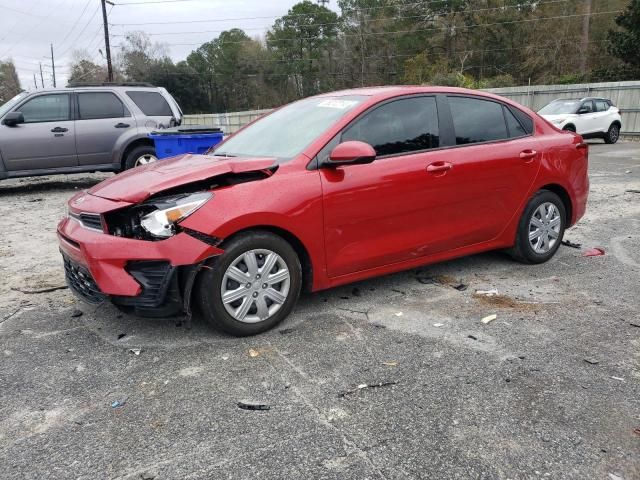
76,313
569,243
398,314
253,353
489,318
592,361
249,405
135,351
487,293
390,364
119,403
438,325
593,252
363,386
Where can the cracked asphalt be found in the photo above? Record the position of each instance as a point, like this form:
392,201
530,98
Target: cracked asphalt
550,389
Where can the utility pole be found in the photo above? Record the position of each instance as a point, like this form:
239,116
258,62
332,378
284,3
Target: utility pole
53,66
584,41
41,77
34,81
106,38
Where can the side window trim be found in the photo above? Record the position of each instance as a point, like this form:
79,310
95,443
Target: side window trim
28,99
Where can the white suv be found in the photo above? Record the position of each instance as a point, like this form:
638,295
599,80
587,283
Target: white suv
590,117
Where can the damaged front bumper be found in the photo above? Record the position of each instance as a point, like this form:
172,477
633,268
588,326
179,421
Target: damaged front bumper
151,278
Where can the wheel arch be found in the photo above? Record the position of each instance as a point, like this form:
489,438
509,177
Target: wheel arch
570,127
134,144
564,196
618,123
293,240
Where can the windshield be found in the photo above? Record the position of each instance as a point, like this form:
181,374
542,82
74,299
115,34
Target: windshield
286,132
560,107
5,107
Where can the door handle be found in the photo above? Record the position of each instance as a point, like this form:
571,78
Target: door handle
59,130
122,125
439,167
528,154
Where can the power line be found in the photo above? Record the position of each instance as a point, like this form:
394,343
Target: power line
411,31
74,25
81,32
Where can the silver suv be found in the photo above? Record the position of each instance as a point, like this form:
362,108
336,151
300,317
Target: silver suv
83,129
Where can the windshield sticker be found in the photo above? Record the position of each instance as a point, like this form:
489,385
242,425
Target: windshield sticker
339,104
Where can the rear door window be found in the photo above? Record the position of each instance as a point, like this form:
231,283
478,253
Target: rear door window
602,105
587,107
514,127
47,108
93,105
400,126
152,104
476,120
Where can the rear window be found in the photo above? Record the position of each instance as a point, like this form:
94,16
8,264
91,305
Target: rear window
152,104
99,105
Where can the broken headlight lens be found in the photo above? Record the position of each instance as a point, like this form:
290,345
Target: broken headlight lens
161,222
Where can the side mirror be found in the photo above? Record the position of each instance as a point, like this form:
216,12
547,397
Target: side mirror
583,110
13,118
351,153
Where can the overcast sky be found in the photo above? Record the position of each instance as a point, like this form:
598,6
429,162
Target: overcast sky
28,27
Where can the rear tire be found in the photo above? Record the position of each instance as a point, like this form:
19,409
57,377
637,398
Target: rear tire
267,302
544,218
134,157
569,128
612,134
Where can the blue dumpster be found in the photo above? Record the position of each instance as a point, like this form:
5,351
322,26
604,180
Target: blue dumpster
194,139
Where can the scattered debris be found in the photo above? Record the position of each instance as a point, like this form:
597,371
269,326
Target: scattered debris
398,314
593,252
248,405
362,386
390,364
119,403
489,318
344,297
615,477
253,353
225,356
618,378
438,325
76,314
636,431
472,337
378,325
592,361
135,351
635,324
147,476
627,171
632,191
355,292
121,336
569,243
286,331
487,293
461,287
401,292
41,290
33,200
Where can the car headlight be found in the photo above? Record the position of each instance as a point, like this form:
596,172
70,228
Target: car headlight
558,120
161,222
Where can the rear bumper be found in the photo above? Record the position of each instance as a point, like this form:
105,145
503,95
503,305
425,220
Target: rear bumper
149,277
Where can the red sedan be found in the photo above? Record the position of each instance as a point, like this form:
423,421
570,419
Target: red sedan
327,190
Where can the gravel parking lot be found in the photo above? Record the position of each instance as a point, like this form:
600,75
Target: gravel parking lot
392,378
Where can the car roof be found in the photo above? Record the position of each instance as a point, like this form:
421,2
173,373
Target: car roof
382,92
93,87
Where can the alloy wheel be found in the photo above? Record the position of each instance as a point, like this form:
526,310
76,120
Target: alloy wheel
255,286
614,132
145,159
544,227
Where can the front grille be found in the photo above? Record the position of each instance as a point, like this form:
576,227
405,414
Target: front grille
88,220
81,282
154,277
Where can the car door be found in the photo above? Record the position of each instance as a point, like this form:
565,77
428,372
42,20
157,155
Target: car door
381,213
586,121
46,139
493,166
101,120
602,116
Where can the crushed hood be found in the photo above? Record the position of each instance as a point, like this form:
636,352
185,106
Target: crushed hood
139,183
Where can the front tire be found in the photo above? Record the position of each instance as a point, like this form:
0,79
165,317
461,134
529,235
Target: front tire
541,228
612,135
252,286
